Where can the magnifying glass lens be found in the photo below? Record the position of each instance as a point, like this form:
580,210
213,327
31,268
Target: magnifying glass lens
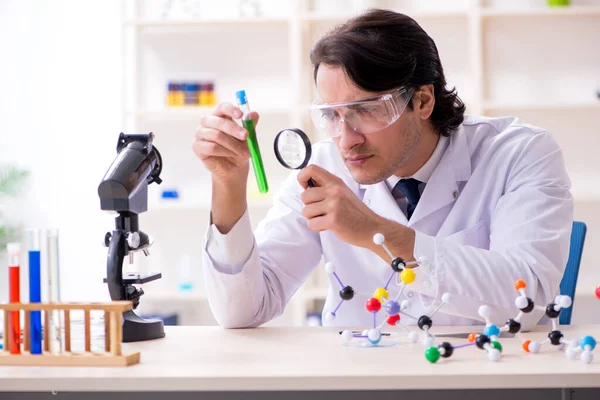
292,149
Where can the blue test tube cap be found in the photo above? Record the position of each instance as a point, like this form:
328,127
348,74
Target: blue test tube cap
241,96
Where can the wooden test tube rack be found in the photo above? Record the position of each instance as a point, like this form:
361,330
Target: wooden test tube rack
113,335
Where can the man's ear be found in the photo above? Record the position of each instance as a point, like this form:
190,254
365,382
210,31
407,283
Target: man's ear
423,101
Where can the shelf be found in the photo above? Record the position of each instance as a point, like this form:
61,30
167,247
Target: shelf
542,12
193,113
233,22
536,106
416,14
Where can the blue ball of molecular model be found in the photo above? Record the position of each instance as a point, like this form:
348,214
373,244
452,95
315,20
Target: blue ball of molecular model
587,341
491,330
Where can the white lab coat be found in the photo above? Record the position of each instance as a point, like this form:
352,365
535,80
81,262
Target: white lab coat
497,208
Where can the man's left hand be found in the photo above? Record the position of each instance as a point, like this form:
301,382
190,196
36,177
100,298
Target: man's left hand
331,205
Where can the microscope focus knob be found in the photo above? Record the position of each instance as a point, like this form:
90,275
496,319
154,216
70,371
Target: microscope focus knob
133,240
134,294
107,238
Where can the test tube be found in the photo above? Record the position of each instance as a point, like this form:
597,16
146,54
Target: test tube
35,290
54,330
14,270
257,164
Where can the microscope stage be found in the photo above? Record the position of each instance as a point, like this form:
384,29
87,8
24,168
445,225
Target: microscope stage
133,277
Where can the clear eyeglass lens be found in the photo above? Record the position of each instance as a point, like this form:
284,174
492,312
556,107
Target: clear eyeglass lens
363,117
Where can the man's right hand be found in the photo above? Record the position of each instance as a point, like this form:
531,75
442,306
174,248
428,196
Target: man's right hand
221,144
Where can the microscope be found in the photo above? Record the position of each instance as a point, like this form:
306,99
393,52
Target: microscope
124,191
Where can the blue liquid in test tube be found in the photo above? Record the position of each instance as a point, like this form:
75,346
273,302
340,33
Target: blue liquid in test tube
35,291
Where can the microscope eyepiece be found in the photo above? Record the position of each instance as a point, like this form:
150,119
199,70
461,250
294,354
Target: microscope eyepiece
138,163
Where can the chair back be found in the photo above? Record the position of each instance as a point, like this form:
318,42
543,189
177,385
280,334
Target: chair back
568,283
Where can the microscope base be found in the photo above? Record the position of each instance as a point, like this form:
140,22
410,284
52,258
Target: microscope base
137,329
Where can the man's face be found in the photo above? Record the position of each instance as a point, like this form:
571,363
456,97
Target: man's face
373,157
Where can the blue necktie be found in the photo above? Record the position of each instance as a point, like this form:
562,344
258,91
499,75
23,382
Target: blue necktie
410,189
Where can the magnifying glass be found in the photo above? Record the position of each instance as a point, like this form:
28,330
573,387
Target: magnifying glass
293,150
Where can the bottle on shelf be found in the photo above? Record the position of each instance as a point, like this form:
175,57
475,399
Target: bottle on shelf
179,94
207,94
203,99
170,194
191,93
212,97
171,94
558,3
186,280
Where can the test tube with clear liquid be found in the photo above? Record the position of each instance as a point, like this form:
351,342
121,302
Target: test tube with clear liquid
53,273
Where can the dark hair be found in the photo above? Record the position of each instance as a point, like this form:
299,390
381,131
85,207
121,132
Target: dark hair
381,50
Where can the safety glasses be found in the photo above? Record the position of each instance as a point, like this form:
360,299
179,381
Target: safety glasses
363,116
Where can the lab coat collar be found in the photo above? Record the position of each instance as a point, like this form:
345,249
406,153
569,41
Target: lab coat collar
441,189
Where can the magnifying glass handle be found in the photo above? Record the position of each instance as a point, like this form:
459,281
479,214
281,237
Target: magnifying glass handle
311,183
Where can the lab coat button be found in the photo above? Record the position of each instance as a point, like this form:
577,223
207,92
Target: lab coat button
426,284
367,201
410,294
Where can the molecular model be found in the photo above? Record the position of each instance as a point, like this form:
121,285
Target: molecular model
556,338
380,299
482,341
487,341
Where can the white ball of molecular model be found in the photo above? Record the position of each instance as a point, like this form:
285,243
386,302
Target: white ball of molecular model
428,340
374,336
534,347
413,337
329,268
446,297
494,355
521,302
484,311
563,301
347,336
378,239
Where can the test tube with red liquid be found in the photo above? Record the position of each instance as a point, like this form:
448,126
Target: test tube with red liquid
14,270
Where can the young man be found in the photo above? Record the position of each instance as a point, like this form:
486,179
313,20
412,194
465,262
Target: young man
482,202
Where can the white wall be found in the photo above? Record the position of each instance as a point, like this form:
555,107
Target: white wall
60,118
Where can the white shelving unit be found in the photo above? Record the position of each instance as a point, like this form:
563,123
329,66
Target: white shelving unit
574,10
506,57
